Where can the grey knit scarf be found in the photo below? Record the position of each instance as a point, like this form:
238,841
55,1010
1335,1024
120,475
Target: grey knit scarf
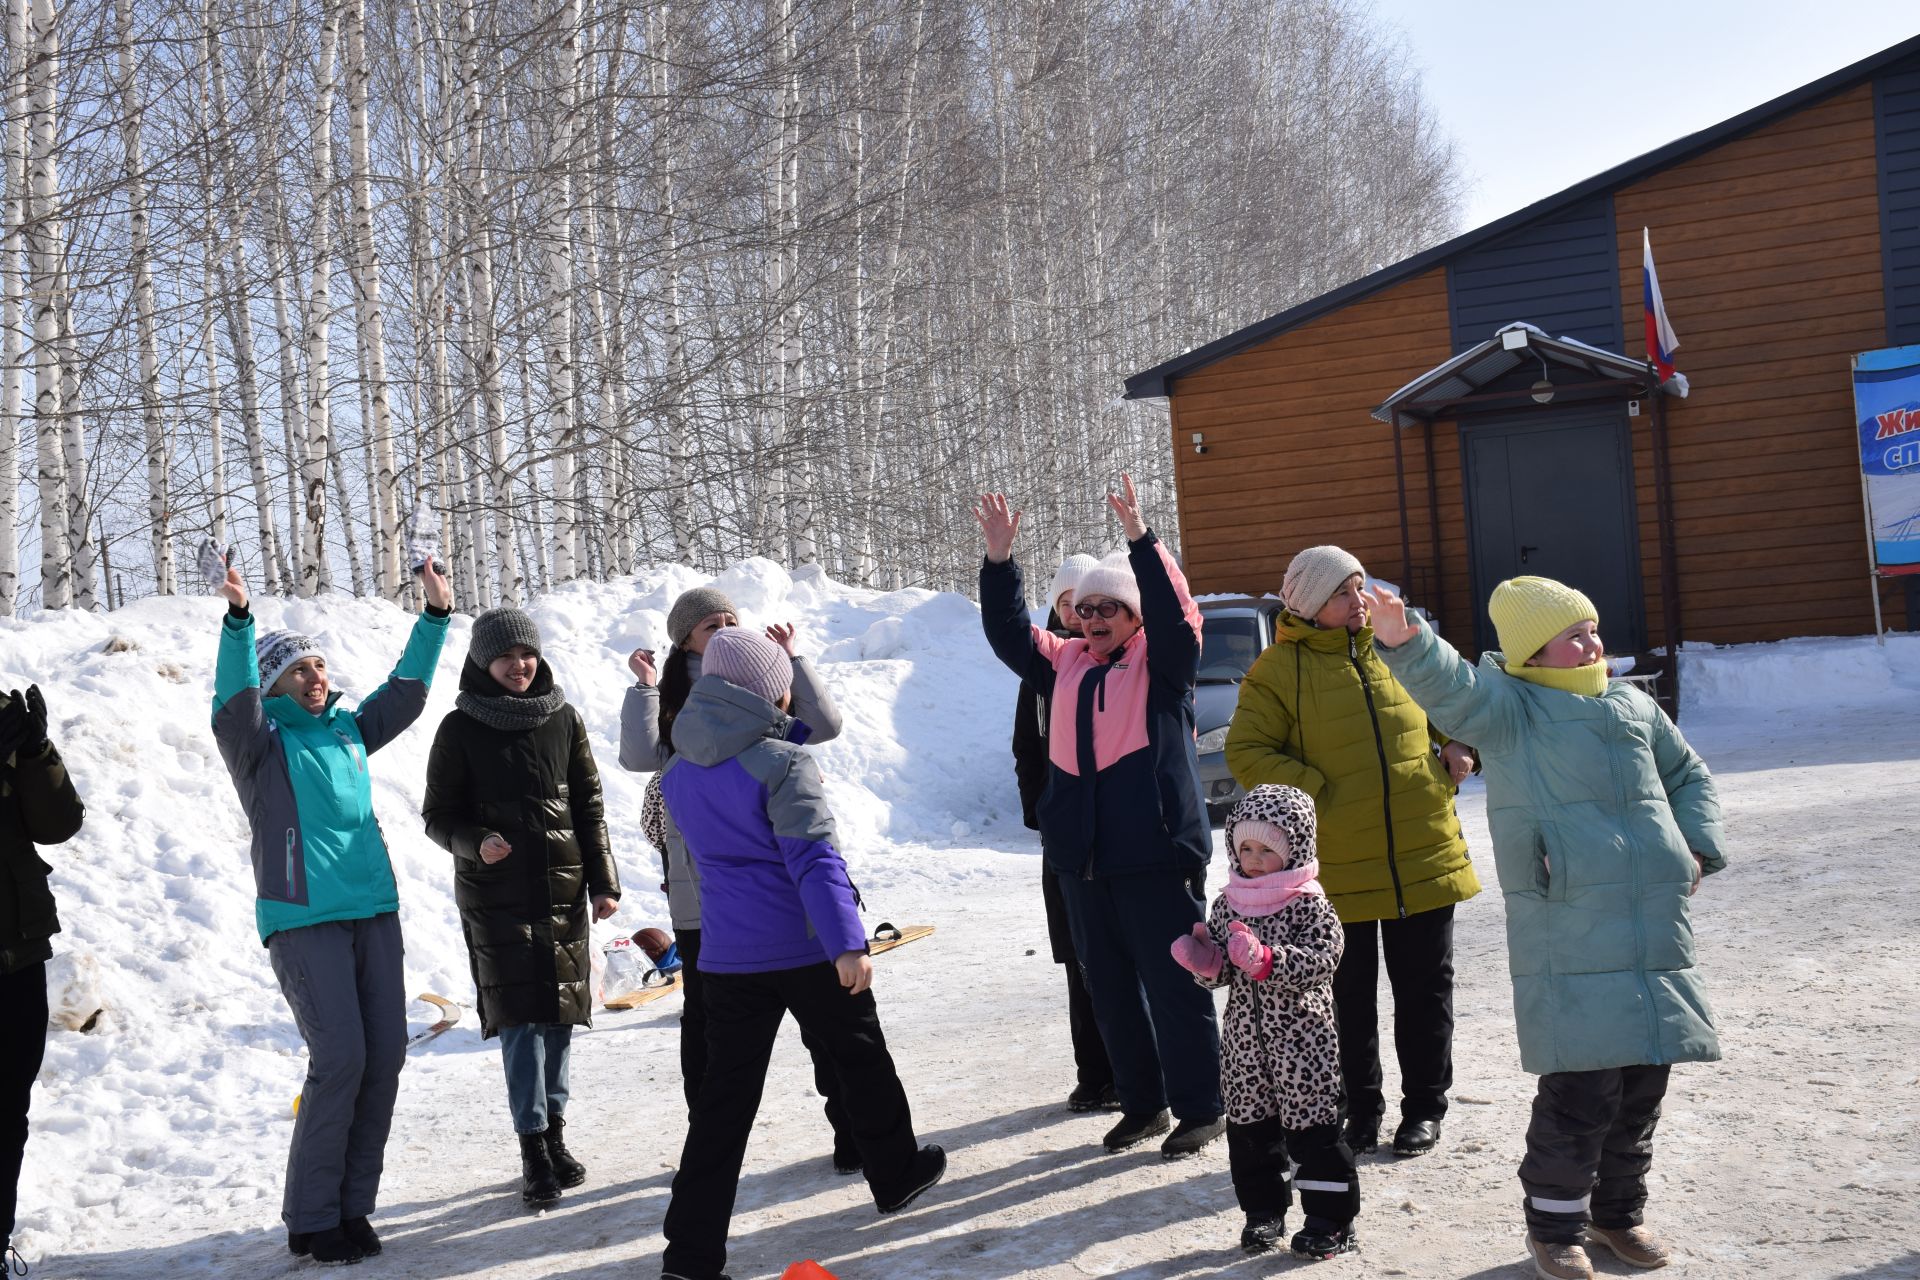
486,700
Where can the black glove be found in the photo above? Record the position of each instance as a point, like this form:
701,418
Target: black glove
23,723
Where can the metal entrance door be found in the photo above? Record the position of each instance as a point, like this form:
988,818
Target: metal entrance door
1550,494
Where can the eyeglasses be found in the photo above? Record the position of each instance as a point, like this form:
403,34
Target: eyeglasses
1106,609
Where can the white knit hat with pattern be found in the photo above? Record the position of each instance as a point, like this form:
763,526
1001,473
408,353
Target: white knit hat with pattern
1312,578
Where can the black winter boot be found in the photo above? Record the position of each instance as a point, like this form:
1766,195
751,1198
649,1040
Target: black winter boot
567,1171
537,1183
332,1245
1263,1232
361,1232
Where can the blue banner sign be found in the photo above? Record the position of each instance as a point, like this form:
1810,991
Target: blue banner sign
1886,401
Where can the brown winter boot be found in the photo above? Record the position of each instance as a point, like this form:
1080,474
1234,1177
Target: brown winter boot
1559,1261
1636,1246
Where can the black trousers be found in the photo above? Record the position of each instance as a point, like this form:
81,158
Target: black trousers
23,1028
693,1047
1322,1170
1157,1023
1419,952
1589,1148
1092,1068
744,1011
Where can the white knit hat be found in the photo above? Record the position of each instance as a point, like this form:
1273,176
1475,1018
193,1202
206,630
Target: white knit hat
1067,577
1312,578
278,650
1112,578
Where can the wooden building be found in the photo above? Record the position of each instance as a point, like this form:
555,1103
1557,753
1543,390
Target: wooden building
1786,239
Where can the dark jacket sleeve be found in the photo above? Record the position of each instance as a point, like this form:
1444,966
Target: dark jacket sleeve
1029,753
590,815
1173,638
50,808
1003,614
448,806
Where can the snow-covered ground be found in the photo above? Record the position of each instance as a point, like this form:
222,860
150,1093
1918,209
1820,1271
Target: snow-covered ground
159,1135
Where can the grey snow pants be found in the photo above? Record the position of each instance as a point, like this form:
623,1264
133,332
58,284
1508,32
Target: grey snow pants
343,982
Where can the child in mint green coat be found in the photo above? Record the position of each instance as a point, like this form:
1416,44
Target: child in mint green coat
325,902
1603,822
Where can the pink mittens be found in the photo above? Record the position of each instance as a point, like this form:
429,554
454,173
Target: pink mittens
1196,953
1249,955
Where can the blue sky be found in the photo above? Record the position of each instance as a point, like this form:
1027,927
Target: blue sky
1538,96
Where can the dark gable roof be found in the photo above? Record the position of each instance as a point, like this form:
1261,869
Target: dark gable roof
1152,383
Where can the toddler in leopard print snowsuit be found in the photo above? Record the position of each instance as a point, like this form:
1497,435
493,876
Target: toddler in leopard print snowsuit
1274,940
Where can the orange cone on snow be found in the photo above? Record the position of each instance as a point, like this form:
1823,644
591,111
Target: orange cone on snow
808,1270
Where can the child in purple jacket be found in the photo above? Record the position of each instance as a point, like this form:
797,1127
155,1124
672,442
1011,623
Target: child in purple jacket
779,934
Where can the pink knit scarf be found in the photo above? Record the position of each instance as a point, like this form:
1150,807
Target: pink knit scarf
1264,895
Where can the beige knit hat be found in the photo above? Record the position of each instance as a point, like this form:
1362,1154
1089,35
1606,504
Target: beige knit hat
1312,578
1528,612
692,606
1112,578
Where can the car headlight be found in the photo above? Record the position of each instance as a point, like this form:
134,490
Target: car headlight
1212,740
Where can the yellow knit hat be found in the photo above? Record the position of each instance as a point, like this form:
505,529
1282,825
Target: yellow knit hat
1528,612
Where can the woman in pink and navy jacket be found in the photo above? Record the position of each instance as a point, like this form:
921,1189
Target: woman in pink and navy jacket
1122,820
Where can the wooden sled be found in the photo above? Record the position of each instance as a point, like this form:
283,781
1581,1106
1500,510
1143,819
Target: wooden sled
887,936
653,987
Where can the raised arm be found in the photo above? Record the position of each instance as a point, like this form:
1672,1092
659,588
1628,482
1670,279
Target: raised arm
50,808
239,720
1487,710
1167,612
388,710
1027,650
812,704
642,750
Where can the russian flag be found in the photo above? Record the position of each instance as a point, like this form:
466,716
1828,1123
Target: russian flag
1662,342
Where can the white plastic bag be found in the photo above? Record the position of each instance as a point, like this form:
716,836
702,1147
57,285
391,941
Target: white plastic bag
626,969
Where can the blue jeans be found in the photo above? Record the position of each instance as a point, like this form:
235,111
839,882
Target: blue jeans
535,1055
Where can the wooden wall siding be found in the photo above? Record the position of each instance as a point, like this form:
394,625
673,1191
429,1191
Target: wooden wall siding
1558,273
1769,256
1293,458
1897,123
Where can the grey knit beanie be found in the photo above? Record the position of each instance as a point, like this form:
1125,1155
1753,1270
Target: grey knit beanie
498,630
1315,574
751,661
278,650
692,606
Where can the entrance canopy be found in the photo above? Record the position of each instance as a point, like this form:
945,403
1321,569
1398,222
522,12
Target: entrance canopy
1494,374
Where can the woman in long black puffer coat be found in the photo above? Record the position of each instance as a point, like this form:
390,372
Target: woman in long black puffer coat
513,794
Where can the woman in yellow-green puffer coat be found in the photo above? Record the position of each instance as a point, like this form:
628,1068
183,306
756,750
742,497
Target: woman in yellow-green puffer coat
1321,712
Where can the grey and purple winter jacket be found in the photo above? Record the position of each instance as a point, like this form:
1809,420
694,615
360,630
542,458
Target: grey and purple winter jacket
748,802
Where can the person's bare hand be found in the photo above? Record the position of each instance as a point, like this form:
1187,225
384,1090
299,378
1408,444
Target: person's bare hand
604,906
1699,873
855,970
493,849
233,590
1127,507
640,662
438,590
1391,626
781,633
1458,759
999,524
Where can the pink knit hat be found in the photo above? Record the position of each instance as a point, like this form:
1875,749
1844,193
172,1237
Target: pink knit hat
749,660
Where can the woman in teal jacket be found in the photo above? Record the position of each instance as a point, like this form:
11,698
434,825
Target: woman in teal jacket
1603,822
326,906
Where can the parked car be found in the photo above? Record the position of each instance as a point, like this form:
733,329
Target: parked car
1234,631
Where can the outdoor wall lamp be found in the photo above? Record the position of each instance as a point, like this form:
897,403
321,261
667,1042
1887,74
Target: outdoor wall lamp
1199,442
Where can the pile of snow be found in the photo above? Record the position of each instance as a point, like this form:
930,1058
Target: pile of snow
1811,672
175,1092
